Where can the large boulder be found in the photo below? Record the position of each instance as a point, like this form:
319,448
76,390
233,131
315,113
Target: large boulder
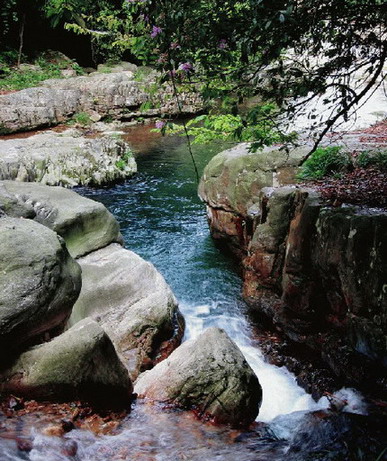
36,107
233,179
208,375
66,159
84,224
231,185
132,302
79,364
39,283
118,94
325,268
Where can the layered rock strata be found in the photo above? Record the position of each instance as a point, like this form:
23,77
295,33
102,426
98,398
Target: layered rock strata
115,94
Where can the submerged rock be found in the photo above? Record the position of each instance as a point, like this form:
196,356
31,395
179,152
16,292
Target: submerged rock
327,436
66,159
39,283
79,364
84,224
208,375
132,302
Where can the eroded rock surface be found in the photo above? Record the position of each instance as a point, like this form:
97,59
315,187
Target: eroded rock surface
132,302
84,224
116,94
231,185
317,272
208,375
79,364
39,283
66,159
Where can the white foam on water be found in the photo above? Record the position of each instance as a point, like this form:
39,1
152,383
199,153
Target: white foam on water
281,393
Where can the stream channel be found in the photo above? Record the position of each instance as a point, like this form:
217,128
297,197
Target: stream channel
163,220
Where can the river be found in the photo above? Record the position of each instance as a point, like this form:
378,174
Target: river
163,220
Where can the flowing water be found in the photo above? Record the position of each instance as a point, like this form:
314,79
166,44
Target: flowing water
163,220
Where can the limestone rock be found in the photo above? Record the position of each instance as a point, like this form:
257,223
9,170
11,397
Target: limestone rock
10,205
232,180
39,283
36,107
66,159
132,302
79,364
208,375
84,224
116,94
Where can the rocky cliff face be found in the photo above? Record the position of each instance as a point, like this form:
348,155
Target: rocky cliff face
319,273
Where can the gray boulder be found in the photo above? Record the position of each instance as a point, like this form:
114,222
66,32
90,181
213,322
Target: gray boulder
84,224
39,283
36,107
79,364
66,159
132,302
117,94
208,375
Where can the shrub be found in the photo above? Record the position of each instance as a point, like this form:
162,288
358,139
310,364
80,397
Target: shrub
325,161
372,158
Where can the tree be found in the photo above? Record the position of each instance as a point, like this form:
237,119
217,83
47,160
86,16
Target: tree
289,52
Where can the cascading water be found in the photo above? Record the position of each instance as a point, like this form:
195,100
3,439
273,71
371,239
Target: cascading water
162,219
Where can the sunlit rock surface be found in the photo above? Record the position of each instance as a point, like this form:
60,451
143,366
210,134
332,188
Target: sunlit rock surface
132,302
84,224
119,94
208,375
66,159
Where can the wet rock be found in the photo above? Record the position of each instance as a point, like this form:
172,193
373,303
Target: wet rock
208,375
317,272
337,436
66,159
79,364
39,283
84,224
132,302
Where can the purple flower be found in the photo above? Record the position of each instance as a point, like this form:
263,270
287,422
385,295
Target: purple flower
160,124
175,46
186,67
156,31
222,44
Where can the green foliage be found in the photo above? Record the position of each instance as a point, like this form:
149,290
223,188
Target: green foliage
122,163
371,158
80,118
257,127
28,76
325,161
